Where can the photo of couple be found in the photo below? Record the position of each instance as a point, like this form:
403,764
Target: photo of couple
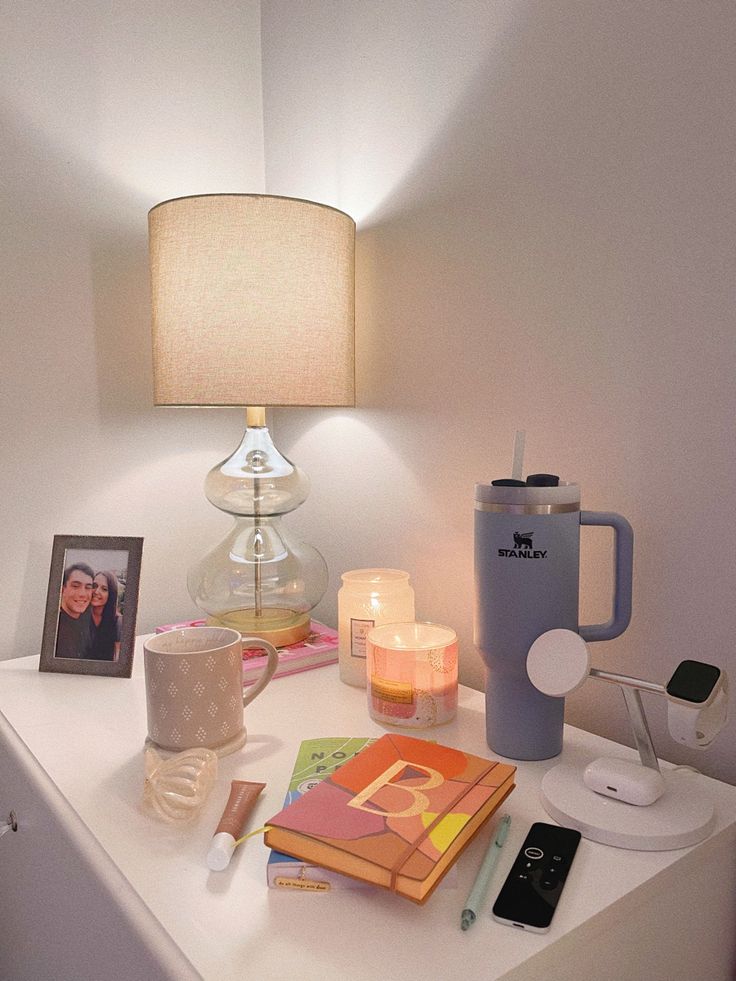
90,606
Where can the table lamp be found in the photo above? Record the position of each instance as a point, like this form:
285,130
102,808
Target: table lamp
253,305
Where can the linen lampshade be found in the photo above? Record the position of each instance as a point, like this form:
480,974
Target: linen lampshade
253,301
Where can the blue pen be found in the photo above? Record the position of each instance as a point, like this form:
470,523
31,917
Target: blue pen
483,878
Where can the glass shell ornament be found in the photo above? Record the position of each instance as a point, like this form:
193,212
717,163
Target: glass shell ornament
176,787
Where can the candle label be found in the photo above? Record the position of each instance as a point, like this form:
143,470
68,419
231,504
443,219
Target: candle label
397,692
359,636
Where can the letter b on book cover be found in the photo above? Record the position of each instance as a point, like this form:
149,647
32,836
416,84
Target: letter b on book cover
420,801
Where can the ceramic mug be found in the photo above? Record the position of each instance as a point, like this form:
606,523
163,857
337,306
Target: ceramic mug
194,687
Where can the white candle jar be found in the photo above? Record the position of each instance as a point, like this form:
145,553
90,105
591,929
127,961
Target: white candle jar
412,674
368,598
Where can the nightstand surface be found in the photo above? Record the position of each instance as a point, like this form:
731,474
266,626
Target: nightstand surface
624,914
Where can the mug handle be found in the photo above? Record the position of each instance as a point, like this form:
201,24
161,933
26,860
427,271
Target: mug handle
268,671
623,563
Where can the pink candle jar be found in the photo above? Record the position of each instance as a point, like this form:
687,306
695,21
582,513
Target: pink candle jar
412,674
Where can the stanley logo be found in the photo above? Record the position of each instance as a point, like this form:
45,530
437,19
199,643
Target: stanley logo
523,548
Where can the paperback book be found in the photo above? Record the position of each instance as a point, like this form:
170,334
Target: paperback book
396,815
316,760
318,648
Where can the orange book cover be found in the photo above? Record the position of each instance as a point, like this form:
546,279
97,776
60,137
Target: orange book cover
398,814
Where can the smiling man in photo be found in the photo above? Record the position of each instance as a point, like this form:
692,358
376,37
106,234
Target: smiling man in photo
73,637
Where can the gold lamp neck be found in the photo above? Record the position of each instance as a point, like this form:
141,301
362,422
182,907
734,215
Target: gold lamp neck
255,416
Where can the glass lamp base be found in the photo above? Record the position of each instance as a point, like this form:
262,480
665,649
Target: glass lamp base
280,626
259,580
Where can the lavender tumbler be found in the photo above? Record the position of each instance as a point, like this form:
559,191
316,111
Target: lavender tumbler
527,572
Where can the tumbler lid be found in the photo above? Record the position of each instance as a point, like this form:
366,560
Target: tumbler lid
542,480
564,497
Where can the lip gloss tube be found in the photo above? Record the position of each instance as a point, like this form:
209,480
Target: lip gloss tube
242,800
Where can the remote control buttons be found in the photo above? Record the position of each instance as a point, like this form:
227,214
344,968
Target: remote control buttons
547,872
547,878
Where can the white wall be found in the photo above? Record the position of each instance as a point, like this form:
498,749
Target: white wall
545,201
544,196
106,110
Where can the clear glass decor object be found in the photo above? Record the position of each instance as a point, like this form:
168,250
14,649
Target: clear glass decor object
259,580
176,787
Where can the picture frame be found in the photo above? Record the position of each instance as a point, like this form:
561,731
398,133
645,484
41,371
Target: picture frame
91,605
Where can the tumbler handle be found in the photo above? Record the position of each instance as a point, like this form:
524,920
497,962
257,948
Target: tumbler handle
623,543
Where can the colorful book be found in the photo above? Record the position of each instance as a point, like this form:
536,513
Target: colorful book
397,815
317,649
316,760
177,626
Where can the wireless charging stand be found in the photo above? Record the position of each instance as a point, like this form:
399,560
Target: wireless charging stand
682,816
559,663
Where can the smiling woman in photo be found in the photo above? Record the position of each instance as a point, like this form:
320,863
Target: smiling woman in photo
106,620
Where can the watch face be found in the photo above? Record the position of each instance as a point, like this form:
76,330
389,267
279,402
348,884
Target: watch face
693,681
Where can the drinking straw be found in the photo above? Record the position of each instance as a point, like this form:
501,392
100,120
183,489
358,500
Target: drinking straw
517,466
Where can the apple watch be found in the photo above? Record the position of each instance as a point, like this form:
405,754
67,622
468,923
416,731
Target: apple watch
697,703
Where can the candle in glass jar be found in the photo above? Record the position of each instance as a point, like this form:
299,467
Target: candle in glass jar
368,598
412,674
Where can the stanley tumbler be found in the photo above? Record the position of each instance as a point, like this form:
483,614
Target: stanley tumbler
527,559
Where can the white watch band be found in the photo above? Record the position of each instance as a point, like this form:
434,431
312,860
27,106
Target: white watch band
697,726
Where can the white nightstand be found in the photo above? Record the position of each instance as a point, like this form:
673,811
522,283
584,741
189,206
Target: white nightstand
624,914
